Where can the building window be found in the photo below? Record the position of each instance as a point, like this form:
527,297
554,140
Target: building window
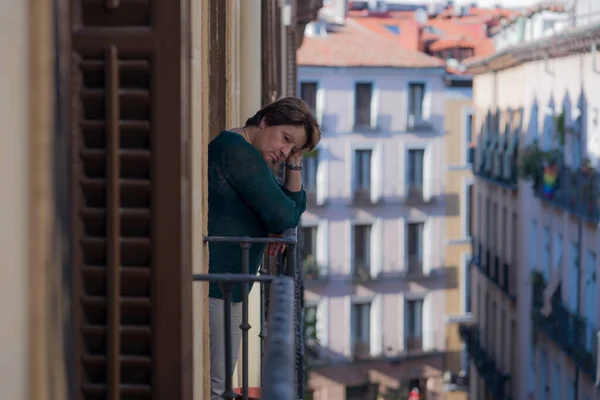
413,325
362,104
543,375
362,172
470,147
414,247
308,93
467,284
309,251
468,211
416,96
556,381
590,297
361,329
309,176
362,251
415,172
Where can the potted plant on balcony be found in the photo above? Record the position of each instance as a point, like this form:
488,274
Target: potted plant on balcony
560,128
310,268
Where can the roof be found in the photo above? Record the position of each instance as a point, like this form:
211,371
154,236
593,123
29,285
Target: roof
551,6
569,42
354,45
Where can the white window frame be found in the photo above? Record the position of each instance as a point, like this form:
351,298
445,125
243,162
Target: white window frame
376,168
464,207
466,111
376,320
429,186
374,102
427,111
376,245
320,100
428,241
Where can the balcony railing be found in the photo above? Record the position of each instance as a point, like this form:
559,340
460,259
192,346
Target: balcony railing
361,271
312,271
495,271
576,191
497,381
496,161
282,350
569,331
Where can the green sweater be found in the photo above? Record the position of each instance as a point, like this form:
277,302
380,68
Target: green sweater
244,199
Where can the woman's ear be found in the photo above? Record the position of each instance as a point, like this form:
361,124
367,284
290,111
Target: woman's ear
262,123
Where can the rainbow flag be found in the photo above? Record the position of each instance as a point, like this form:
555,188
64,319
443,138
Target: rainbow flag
549,181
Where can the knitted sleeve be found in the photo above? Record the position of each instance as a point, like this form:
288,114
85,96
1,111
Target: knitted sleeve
244,168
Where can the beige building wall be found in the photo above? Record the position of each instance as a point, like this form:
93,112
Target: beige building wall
458,176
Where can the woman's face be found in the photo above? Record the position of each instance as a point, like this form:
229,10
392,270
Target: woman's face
277,142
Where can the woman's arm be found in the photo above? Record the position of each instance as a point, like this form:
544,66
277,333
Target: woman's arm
293,172
246,171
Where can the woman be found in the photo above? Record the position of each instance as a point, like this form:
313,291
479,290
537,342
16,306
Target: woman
245,199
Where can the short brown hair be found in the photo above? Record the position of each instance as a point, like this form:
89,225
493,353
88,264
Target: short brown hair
290,111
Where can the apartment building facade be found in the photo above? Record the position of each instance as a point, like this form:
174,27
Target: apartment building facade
374,271
543,223
458,224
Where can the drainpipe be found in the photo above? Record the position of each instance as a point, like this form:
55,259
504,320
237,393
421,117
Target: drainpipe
250,101
579,254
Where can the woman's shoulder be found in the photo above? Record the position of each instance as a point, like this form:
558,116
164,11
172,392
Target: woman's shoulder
231,145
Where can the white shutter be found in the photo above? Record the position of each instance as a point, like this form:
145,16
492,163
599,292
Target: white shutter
427,100
428,334
428,183
376,333
374,107
323,323
376,247
323,246
320,104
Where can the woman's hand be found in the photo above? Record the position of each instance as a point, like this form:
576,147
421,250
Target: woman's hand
295,158
274,248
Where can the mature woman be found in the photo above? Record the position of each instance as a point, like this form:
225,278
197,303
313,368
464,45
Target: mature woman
245,199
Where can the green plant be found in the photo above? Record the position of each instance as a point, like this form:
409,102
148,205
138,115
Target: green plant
533,159
310,267
537,278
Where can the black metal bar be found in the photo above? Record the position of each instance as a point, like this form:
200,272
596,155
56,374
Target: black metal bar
232,278
279,354
246,239
263,318
245,326
229,393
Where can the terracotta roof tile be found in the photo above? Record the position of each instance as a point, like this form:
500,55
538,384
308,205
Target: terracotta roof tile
358,46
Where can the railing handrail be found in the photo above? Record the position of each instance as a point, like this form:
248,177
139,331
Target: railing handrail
247,239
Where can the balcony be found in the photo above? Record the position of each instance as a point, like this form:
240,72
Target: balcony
574,190
497,272
421,192
496,380
361,271
496,161
312,271
569,331
362,197
282,350
414,270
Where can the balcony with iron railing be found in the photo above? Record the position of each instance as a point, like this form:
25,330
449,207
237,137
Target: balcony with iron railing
281,309
496,271
574,190
497,381
570,331
312,271
496,161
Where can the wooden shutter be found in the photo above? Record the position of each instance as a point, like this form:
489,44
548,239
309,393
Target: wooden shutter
131,309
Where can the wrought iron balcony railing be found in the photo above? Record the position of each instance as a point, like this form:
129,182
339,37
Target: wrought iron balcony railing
494,270
496,161
497,381
281,315
570,331
576,191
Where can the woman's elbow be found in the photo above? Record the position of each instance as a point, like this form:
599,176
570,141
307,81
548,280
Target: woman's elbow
284,221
